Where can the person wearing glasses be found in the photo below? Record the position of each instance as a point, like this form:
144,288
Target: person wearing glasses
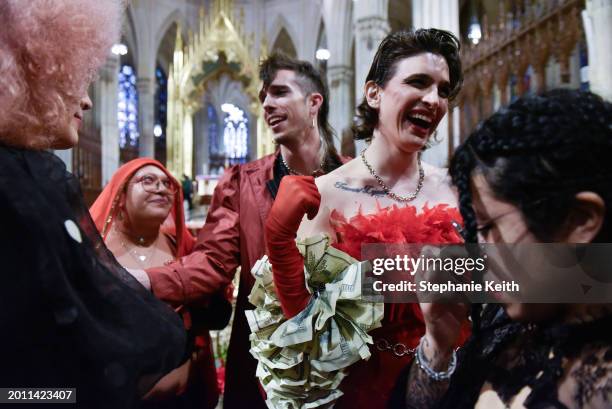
536,171
295,105
140,217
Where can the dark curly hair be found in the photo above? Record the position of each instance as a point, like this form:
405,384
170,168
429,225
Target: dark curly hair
394,48
537,154
310,80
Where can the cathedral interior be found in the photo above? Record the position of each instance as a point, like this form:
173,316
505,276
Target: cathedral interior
182,84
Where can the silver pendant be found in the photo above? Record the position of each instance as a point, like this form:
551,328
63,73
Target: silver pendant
142,258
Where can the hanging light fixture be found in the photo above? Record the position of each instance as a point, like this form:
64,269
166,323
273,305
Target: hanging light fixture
322,54
119,49
474,30
157,130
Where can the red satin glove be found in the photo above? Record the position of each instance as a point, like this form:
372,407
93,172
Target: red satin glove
297,195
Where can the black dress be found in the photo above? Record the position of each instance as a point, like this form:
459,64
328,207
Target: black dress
70,315
511,356
538,363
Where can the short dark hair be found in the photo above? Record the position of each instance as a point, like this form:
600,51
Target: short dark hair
309,80
396,47
537,154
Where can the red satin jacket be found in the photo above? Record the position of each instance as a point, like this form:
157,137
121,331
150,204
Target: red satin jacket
231,237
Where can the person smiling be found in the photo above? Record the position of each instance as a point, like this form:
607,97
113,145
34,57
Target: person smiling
296,108
71,316
140,217
139,199
537,171
386,195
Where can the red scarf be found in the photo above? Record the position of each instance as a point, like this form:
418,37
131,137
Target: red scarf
106,207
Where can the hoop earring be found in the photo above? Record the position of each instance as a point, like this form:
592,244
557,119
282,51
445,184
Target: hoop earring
313,122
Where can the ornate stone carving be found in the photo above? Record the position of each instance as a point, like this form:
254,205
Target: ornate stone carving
220,45
523,38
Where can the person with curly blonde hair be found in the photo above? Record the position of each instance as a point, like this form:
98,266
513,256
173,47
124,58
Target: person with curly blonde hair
71,316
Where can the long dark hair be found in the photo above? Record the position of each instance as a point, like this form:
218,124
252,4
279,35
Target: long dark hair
394,48
537,154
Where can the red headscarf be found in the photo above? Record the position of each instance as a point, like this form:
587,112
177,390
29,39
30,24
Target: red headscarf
106,207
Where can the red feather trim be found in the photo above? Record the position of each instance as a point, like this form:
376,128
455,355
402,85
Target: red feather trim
396,225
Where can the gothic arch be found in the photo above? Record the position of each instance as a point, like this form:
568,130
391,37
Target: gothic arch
174,17
218,46
322,34
165,47
284,43
279,25
322,42
130,36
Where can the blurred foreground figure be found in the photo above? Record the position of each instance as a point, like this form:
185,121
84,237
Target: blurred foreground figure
538,171
71,316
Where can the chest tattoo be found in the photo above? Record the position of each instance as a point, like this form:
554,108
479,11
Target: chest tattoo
367,189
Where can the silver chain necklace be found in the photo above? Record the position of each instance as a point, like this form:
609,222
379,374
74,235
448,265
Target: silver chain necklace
387,189
140,258
295,172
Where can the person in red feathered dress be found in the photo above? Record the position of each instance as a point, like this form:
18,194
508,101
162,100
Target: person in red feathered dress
386,195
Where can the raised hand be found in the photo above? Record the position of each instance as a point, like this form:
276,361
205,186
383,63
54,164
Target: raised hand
445,314
297,196
444,322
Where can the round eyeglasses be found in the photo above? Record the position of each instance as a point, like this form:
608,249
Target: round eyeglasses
153,184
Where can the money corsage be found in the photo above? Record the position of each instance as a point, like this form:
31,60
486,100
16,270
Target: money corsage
301,361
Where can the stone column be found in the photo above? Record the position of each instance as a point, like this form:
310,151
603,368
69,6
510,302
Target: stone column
340,78
371,27
105,106
146,115
597,19
442,14
338,19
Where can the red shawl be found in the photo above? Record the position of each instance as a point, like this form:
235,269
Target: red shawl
105,208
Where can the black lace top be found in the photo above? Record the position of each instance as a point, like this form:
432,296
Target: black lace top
541,362
70,315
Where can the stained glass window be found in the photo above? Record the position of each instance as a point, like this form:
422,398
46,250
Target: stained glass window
235,134
161,106
127,107
161,103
